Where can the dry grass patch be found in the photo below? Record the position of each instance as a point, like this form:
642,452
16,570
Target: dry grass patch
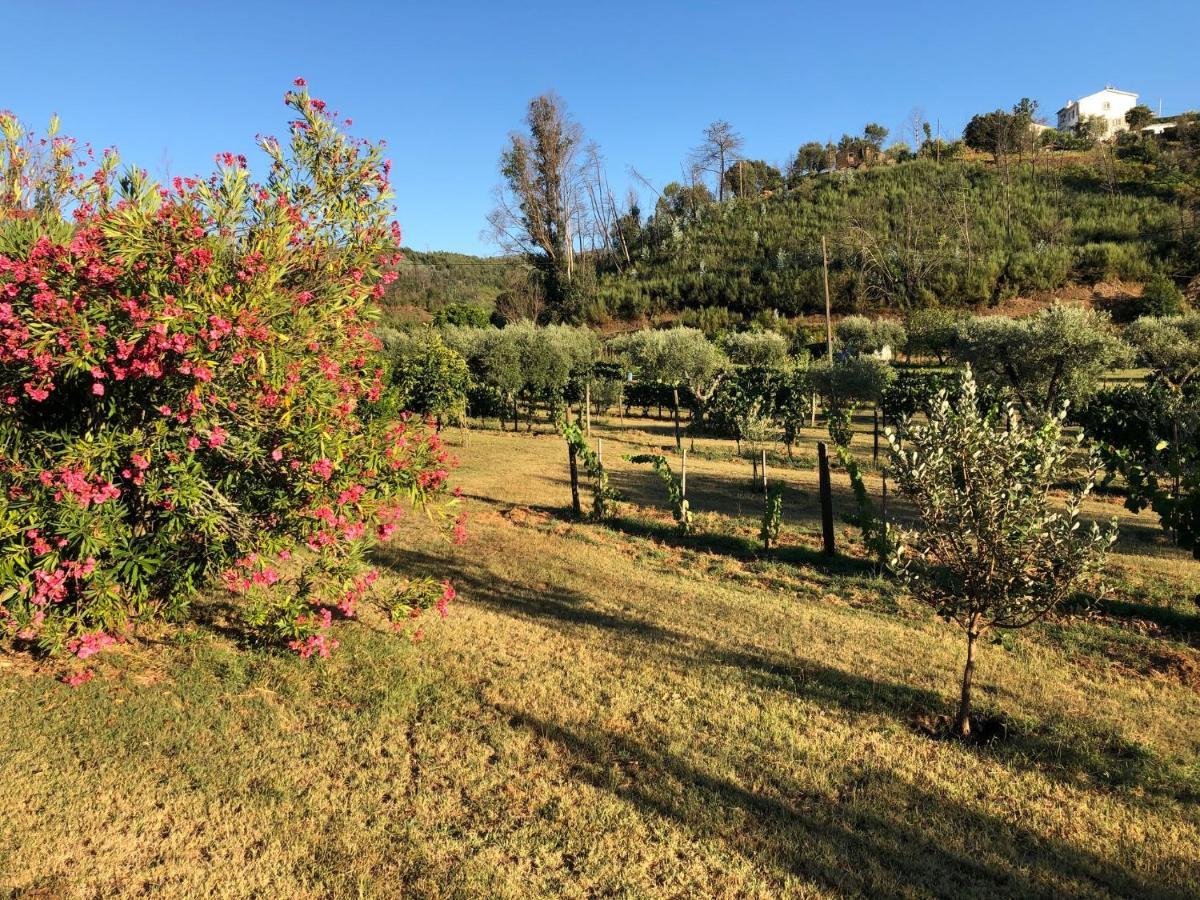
615,710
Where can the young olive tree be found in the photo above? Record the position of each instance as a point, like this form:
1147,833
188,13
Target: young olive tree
847,383
993,550
676,357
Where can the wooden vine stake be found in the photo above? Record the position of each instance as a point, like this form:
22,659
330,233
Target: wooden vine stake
683,475
764,472
572,455
826,498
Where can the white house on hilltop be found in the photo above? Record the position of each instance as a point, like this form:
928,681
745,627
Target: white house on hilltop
1108,104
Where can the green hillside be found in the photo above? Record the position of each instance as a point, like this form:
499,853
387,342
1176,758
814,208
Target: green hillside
916,233
432,281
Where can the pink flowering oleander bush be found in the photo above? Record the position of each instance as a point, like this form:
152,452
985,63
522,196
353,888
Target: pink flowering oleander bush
191,392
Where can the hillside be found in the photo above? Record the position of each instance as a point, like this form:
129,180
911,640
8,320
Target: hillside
915,233
430,281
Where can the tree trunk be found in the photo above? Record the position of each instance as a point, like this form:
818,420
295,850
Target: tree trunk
675,405
962,723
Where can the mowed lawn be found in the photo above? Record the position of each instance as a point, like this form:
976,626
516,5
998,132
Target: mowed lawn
612,710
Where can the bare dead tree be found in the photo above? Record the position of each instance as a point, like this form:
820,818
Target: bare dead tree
717,151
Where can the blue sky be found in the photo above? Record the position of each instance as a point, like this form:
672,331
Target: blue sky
172,83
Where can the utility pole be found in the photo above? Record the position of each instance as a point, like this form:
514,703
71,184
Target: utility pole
828,308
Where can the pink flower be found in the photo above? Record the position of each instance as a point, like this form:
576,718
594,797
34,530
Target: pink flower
300,82
277,454
217,437
323,467
75,679
97,389
193,443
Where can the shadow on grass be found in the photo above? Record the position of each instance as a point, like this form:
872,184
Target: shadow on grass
1175,622
877,836
739,547
734,546
1058,749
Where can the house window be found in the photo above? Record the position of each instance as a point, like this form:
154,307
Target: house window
1106,104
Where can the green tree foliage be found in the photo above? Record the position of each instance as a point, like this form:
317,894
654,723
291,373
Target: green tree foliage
752,178
810,159
901,237
684,202
1170,346
845,384
1139,117
765,349
1161,297
993,548
857,335
457,288
931,333
1058,355
430,378
677,357
539,199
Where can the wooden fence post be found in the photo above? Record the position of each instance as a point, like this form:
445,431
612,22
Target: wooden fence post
571,454
826,498
600,450
683,475
875,449
587,407
764,471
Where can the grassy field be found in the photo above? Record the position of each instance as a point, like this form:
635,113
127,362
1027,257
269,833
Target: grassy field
612,710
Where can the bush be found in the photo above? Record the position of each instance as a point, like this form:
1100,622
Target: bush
192,390
1161,297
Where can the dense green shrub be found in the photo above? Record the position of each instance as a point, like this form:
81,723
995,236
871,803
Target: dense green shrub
192,390
1161,297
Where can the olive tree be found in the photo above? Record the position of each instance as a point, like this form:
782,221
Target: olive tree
1058,355
763,349
676,357
994,549
1150,433
931,332
858,335
1169,345
845,384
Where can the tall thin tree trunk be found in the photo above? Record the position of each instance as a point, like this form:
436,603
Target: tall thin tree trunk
675,399
962,724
